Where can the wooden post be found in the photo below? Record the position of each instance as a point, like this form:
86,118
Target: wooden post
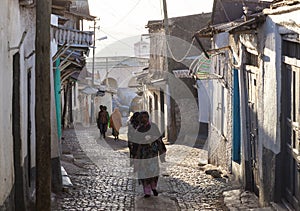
93,75
42,107
172,132
166,19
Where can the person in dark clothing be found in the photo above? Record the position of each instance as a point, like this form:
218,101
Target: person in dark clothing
102,120
108,117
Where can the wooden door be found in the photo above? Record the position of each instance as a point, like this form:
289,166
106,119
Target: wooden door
291,120
251,74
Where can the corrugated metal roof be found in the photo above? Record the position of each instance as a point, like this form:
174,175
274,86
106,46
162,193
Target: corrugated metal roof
280,3
238,25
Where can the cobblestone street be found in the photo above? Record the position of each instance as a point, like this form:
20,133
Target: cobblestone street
103,180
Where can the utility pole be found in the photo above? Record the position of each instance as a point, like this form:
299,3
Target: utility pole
94,46
43,103
93,71
166,19
171,112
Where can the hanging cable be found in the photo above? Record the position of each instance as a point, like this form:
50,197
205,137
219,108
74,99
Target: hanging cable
224,10
186,54
124,17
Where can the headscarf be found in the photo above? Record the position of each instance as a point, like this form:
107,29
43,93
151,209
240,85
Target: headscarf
116,119
134,120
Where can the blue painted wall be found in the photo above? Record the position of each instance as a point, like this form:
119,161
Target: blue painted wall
57,85
236,148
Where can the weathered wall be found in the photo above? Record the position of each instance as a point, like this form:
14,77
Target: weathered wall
13,22
220,131
271,84
270,97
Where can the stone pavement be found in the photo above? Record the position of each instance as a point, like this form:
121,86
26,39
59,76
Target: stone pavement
102,178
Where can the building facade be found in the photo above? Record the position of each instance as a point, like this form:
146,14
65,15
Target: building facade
114,86
257,52
171,95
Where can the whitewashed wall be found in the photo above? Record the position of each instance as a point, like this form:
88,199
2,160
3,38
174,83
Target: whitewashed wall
14,20
204,100
220,131
271,88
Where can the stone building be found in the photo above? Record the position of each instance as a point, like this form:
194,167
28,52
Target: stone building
171,99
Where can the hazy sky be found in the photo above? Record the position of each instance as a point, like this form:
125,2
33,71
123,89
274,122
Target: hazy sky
124,20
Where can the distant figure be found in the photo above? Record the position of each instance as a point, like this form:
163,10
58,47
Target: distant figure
148,146
102,120
115,123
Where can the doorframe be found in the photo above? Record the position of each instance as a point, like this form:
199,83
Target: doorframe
19,182
288,121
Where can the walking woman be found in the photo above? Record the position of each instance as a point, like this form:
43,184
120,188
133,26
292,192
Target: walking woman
147,151
115,122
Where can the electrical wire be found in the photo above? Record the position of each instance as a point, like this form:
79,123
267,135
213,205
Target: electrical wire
224,10
124,17
186,54
118,40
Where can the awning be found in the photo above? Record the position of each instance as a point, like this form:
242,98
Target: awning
142,77
201,67
71,55
241,24
89,90
93,91
72,59
182,73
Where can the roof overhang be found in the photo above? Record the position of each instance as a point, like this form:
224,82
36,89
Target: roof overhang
243,25
83,16
71,55
240,25
72,60
77,8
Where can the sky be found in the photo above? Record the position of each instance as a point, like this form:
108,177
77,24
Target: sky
123,21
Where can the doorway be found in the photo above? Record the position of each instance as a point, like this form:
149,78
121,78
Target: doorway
290,126
17,142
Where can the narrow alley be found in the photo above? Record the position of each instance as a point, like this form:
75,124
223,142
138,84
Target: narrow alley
102,178
219,79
